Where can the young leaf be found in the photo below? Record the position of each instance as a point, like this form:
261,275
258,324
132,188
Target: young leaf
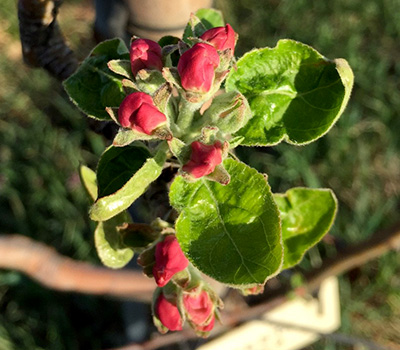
125,137
117,165
231,233
88,179
203,20
93,87
121,67
294,92
210,18
149,81
109,245
119,187
170,50
307,215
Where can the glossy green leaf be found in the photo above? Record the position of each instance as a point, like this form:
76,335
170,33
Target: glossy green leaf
117,165
203,20
231,233
110,205
294,92
109,245
88,179
307,215
93,87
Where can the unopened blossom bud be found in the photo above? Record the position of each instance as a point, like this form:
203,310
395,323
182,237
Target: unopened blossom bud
145,54
197,66
221,38
169,259
168,313
204,159
199,310
138,112
207,327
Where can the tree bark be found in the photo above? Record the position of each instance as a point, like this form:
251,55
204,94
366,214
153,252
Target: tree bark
58,272
42,42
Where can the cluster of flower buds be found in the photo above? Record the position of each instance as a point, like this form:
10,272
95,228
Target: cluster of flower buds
166,100
197,306
181,295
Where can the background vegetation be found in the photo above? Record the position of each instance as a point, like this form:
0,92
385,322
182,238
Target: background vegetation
43,138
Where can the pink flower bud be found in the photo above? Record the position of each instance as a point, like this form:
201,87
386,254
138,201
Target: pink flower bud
208,327
221,38
138,112
169,260
196,67
145,54
204,159
168,314
199,309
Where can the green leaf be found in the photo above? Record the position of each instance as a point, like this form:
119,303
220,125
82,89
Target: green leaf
125,137
133,184
179,149
168,40
93,87
113,113
210,18
88,179
203,20
149,81
294,92
109,245
121,67
307,215
117,165
231,233
170,50
138,236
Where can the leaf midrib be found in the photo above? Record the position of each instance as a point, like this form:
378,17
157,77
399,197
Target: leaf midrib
225,230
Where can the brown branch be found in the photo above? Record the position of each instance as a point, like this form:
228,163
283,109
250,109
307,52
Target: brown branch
42,42
356,255
353,256
46,266
55,271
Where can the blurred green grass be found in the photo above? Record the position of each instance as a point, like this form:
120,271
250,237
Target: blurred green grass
43,140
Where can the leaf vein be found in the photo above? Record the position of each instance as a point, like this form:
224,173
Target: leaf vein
226,231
